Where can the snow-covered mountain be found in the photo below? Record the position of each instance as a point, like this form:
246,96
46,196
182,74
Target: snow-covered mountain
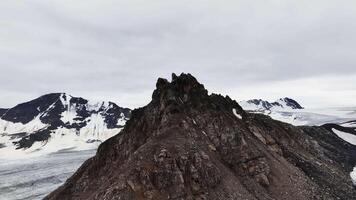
340,121
290,111
262,105
58,121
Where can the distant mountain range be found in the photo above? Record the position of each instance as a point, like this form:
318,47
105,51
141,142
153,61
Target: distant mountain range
340,121
196,145
59,121
259,104
290,111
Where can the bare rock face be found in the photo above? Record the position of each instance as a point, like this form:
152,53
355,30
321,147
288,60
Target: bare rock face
186,144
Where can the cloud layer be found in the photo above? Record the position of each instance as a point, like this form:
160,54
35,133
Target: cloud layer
116,49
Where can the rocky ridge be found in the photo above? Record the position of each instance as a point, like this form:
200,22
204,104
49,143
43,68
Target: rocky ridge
186,144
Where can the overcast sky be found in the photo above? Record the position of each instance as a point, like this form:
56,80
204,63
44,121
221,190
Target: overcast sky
115,50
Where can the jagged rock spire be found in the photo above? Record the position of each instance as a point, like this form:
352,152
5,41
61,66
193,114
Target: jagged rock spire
182,88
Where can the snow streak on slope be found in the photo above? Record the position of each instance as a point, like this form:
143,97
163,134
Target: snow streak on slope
350,138
13,128
236,114
349,124
345,136
353,176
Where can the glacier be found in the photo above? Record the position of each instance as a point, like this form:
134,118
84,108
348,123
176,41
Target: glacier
33,178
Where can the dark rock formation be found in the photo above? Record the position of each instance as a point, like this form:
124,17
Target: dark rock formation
3,111
186,144
291,103
264,104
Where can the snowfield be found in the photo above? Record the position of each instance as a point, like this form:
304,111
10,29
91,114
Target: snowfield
13,128
308,116
88,137
36,177
311,117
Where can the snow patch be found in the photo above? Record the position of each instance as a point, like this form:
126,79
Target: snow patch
353,176
69,116
349,124
61,139
70,113
236,114
7,127
96,128
122,120
294,118
250,106
350,138
97,105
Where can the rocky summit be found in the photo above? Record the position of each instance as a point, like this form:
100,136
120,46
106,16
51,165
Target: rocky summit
186,144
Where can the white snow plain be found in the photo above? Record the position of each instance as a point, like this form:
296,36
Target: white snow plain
307,116
36,177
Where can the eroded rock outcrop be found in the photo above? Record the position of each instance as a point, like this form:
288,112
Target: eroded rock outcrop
186,144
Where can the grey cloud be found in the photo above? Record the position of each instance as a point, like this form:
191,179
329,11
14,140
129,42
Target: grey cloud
117,49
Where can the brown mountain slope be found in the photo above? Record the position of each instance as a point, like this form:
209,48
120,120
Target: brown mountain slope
186,144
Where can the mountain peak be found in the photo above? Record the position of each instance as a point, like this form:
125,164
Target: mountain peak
182,86
260,104
183,89
186,144
291,103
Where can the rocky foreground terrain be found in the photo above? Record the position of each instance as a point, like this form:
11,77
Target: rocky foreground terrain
186,144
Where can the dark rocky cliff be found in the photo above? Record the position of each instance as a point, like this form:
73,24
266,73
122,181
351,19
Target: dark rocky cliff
186,144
